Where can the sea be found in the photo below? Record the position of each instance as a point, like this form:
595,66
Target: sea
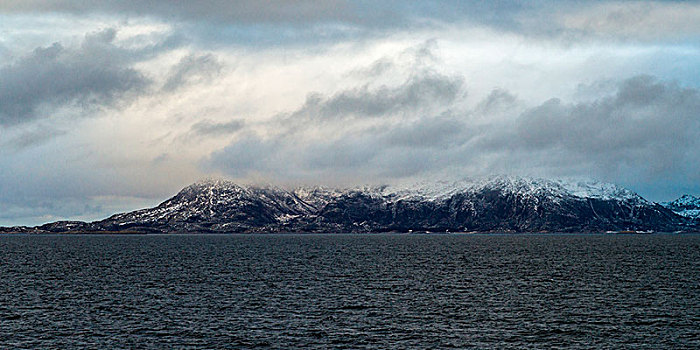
307,291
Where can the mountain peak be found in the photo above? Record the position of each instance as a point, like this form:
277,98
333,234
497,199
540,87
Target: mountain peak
570,187
489,204
497,203
519,185
687,205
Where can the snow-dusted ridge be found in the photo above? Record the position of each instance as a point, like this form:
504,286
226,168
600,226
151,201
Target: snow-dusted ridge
488,204
687,206
442,189
522,186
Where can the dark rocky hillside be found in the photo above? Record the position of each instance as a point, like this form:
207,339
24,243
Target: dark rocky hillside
687,205
497,204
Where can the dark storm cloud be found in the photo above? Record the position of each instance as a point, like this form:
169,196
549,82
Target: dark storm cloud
96,73
647,130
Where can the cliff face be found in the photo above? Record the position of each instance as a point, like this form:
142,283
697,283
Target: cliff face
498,204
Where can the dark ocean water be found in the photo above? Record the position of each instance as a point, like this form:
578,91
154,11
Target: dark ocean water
350,291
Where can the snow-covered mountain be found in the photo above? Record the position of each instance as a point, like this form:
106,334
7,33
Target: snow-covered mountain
687,205
522,186
494,204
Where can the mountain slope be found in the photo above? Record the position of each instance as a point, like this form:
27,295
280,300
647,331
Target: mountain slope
496,204
687,205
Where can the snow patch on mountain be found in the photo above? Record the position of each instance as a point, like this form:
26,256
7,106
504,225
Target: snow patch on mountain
687,205
431,190
523,187
488,204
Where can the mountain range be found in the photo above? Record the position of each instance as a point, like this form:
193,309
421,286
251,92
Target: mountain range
494,204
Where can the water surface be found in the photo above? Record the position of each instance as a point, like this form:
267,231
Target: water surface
352,291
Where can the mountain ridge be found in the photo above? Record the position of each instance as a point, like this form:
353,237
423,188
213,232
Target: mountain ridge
494,204
686,205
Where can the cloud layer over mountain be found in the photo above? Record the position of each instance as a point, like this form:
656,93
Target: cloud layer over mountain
109,105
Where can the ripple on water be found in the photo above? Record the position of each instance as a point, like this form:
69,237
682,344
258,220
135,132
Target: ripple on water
358,291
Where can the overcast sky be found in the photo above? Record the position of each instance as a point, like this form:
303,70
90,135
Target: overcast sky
107,106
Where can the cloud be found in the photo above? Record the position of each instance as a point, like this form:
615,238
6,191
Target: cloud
636,20
362,13
496,103
436,132
39,210
180,84
645,132
396,131
417,93
32,137
210,128
647,124
298,11
641,19
246,156
96,73
192,69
